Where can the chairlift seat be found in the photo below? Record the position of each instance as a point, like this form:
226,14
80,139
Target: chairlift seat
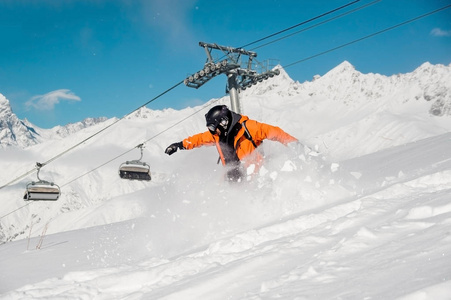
135,170
42,190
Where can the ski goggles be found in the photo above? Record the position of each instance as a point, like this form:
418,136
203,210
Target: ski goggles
213,126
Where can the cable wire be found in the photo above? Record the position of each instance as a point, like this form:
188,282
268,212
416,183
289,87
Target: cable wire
318,24
368,36
106,127
23,206
146,141
124,153
294,26
90,137
302,23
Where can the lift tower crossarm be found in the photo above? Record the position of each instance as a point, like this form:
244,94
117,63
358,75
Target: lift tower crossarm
238,78
228,49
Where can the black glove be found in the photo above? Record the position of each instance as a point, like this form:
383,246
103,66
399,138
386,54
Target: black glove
173,148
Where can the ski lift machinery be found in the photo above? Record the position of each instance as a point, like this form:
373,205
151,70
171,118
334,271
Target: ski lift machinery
135,169
42,189
238,77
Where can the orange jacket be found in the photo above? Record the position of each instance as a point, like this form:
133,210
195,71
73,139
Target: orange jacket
242,145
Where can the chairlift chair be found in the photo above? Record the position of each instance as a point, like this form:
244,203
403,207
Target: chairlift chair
135,169
41,190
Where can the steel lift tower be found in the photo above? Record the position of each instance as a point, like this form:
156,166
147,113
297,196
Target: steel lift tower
238,77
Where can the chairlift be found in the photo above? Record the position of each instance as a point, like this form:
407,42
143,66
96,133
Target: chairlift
42,190
135,169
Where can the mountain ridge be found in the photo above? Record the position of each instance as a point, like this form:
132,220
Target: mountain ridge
22,133
428,83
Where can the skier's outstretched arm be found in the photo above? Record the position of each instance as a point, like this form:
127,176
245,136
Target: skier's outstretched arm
195,141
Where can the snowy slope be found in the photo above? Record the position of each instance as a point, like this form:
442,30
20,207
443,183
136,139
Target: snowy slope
369,218
390,242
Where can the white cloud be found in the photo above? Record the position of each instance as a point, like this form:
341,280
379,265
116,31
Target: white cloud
48,101
440,32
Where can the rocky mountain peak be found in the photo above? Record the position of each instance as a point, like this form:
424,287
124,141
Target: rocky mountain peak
22,133
14,132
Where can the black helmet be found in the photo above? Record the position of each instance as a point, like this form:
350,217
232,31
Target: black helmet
219,117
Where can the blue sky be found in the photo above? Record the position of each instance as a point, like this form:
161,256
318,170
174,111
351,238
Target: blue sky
63,61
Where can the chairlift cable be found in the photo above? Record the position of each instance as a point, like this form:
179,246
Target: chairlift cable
294,26
98,167
16,210
124,153
302,23
318,24
369,36
18,178
90,137
106,127
146,141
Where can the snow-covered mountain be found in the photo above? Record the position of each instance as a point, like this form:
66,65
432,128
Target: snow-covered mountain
14,132
367,218
365,105
21,133
71,128
345,84
428,83
428,86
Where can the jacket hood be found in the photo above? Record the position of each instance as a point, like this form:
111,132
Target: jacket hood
235,119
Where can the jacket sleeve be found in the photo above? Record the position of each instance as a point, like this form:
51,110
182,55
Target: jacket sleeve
198,140
262,131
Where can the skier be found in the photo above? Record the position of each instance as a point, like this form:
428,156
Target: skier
236,137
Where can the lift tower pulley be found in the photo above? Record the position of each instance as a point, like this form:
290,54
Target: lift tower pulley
238,77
